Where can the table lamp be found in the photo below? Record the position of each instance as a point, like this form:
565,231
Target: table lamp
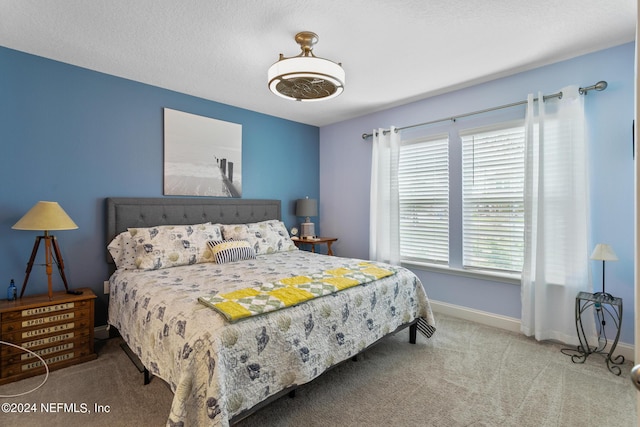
307,207
604,253
46,216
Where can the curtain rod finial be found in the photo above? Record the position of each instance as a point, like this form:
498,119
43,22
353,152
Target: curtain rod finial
601,85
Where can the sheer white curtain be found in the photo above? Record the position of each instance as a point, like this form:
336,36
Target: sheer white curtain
556,216
384,220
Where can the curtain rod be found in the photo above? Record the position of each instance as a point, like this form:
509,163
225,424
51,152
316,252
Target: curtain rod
601,85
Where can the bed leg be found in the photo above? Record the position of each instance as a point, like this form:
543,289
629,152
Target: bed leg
413,329
136,361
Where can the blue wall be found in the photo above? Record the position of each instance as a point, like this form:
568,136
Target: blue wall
76,136
345,172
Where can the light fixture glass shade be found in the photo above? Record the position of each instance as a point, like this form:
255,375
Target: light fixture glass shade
604,252
45,216
307,207
306,77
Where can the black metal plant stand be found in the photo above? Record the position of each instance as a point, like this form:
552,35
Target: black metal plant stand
606,307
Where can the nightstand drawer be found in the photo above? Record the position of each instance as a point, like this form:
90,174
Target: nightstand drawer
43,322
77,337
63,352
21,335
60,330
44,311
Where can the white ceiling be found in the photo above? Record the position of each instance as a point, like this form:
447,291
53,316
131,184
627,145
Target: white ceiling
393,51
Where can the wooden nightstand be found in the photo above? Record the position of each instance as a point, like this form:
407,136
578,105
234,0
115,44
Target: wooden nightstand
59,330
316,241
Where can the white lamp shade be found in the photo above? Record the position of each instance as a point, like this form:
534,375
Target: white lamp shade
45,216
604,252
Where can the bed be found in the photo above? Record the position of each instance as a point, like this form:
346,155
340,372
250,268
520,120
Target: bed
177,310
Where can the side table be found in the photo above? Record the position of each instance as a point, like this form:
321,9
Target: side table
606,307
60,330
315,241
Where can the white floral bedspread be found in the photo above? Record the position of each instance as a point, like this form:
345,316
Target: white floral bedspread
217,369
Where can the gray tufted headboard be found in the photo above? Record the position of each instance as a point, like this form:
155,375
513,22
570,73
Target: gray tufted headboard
125,212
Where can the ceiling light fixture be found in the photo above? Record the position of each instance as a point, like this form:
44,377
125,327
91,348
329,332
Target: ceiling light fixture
306,77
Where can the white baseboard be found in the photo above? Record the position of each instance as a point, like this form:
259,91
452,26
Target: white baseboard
504,322
483,317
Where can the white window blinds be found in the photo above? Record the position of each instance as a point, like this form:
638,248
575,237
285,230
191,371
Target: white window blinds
423,179
493,198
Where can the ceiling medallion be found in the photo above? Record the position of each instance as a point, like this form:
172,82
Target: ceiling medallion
306,77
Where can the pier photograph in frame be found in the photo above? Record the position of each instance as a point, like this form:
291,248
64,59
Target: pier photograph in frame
202,156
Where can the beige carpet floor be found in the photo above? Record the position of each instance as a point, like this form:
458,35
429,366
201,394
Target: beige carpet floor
465,375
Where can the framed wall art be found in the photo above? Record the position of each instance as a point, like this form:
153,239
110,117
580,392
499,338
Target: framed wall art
202,156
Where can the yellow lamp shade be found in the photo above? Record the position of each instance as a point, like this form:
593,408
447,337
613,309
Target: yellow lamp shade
45,216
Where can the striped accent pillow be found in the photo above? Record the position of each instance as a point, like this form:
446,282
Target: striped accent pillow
231,250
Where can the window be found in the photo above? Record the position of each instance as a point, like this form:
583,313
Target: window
423,180
481,177
493,198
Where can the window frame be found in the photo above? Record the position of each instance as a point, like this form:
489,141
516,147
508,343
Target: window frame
504,128
455,264
440,138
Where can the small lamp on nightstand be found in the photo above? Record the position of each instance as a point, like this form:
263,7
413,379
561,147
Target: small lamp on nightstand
307,207
604,253
46,216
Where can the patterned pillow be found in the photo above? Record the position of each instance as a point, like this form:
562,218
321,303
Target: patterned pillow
231,250
173,245
123,251
265,237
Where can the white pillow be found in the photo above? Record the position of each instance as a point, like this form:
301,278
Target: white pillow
173,245
123,251
265,237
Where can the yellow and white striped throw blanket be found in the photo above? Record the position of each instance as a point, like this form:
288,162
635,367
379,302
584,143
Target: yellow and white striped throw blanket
291,291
